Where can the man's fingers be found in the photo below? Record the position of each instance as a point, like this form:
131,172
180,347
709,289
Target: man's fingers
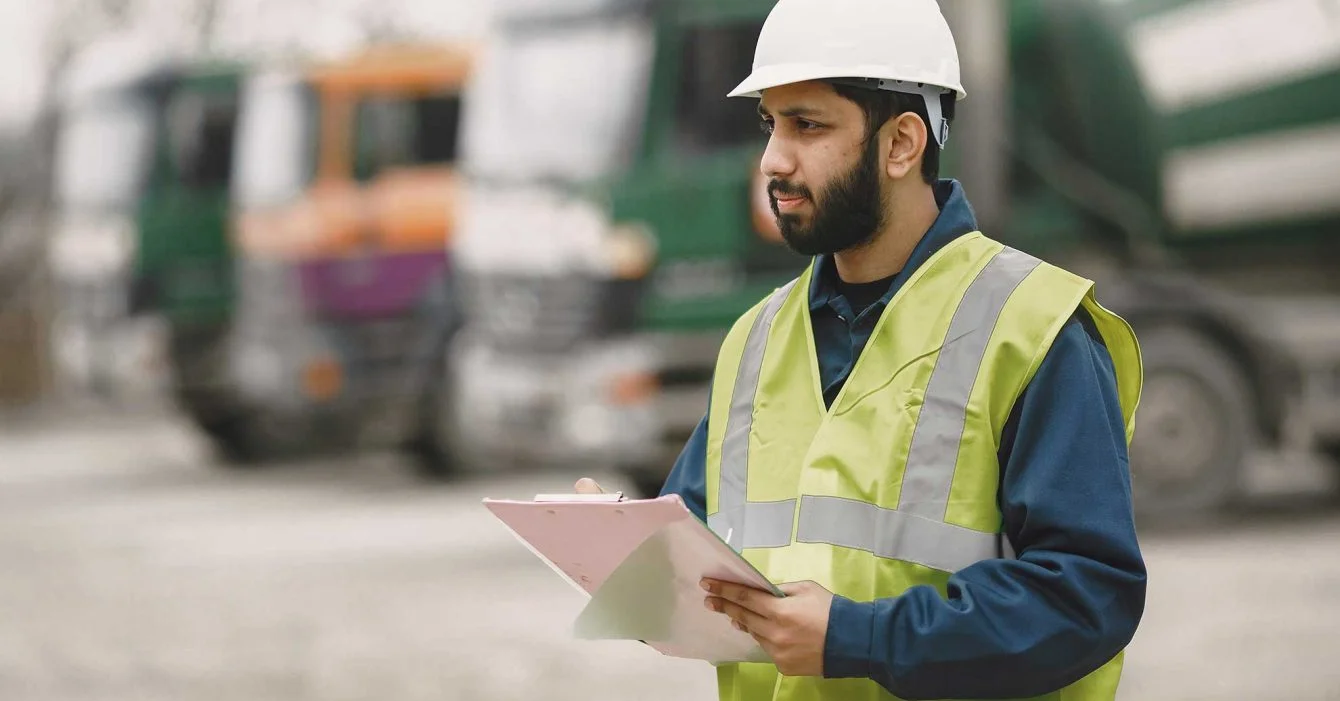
747,597
752,622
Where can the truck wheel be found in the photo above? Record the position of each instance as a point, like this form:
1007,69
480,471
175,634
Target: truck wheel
238,444
261,439
435,448
244,436
1330,451
1195,427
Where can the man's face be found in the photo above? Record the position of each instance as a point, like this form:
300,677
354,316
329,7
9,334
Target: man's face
825,181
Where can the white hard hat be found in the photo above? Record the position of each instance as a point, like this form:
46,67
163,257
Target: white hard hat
899,45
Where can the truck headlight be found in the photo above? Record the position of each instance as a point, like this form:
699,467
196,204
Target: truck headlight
545,232
89,248
630,251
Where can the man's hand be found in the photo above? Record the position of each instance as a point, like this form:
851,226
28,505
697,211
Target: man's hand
791,630
586,485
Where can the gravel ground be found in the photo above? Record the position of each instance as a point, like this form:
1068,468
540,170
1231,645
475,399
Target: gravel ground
136,569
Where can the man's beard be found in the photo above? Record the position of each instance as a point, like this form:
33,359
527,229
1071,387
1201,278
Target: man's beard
847,216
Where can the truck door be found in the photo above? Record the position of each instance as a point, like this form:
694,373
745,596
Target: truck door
717,248
186,253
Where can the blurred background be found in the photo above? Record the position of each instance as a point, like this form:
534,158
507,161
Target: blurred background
288,286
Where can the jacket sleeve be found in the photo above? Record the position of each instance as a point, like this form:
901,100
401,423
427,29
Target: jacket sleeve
1072,598
688,477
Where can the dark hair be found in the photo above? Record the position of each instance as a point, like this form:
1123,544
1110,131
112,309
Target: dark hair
880,106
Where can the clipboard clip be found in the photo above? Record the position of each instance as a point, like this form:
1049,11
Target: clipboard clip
608,497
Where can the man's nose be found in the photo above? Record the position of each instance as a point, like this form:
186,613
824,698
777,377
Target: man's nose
778,161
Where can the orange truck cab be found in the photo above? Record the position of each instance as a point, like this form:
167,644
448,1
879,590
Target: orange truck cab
344,205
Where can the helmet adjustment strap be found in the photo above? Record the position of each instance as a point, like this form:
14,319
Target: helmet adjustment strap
930,94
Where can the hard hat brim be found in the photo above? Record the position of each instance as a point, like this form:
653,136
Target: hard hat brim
777,75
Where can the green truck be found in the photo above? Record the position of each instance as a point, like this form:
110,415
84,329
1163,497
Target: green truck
183,267
185,260
143,163
610,244
166,136
285,225
149,154
294,248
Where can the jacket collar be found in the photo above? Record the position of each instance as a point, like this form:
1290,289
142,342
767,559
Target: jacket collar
956,219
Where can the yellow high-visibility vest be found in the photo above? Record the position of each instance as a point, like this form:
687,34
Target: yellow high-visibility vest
895,485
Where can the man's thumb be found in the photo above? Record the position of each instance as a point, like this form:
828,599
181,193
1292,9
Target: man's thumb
586,485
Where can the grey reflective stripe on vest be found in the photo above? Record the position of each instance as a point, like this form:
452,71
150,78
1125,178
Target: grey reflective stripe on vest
734,517
939,431
897,535
758,524
916,531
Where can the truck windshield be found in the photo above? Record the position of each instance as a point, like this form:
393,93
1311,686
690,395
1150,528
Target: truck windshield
199,129
559,100
105,148
277,142
395,131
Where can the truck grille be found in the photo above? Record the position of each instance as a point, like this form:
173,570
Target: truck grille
536,313
382,354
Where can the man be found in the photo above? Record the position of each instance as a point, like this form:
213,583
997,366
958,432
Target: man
925,434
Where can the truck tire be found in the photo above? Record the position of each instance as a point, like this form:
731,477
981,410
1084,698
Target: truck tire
1195,426
434,449
244,437
242,443
1330,451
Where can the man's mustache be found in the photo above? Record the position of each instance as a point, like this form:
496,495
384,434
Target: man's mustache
781,188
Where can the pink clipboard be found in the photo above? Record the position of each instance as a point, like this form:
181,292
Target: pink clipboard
585,541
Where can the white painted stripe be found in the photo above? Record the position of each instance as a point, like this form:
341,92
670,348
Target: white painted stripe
1264,178
1218,49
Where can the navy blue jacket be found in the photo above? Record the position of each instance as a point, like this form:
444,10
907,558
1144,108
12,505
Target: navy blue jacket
1010,627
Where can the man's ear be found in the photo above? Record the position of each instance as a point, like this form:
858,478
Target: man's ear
905,136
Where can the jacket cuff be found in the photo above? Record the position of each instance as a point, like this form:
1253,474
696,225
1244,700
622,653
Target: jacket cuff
851,628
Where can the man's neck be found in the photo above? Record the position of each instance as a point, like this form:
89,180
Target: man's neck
910,217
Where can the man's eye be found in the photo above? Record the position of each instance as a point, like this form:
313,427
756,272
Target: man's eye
765,126
806,126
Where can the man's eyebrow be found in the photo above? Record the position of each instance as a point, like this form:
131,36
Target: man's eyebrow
791,112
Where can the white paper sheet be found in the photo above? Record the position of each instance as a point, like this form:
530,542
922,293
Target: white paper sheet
655,596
